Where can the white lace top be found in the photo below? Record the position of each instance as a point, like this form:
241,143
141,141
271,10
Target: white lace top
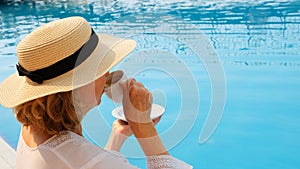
68,150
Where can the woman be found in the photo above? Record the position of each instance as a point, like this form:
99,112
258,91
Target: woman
62,69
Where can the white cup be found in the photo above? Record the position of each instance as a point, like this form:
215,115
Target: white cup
112,88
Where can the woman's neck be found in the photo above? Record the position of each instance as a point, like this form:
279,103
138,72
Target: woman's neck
33,136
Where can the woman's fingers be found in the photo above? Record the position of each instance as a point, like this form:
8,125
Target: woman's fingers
156,120
122,122
139,96
122,127
139,84
137,101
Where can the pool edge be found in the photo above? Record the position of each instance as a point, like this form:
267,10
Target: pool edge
7,156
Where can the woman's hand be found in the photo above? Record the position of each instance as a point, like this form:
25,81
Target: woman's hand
120,131
122,128
137,102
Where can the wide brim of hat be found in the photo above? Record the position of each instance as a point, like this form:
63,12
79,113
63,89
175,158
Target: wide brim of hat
110,50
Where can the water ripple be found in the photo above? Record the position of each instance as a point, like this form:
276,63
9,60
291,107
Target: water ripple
258,27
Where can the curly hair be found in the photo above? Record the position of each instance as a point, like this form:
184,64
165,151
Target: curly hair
52,113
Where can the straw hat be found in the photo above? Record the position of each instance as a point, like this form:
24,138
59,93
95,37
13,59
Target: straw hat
61,56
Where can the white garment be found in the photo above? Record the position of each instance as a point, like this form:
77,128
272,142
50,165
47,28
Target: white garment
68,150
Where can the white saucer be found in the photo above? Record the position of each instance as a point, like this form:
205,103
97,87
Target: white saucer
156,111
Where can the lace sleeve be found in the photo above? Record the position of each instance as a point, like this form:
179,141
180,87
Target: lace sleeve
166,162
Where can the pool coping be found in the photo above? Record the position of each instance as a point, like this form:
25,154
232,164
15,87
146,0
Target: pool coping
7,156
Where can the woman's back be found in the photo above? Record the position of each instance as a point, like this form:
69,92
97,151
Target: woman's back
67,150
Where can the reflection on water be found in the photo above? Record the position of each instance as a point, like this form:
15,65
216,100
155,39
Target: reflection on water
234,28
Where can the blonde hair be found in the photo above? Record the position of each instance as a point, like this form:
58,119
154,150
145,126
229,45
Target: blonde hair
52,113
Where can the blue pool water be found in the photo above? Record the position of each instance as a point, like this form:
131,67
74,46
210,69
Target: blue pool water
233,61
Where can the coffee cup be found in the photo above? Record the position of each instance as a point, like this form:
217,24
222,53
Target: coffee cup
113,89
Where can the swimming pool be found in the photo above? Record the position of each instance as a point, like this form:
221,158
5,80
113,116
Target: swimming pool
254,46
